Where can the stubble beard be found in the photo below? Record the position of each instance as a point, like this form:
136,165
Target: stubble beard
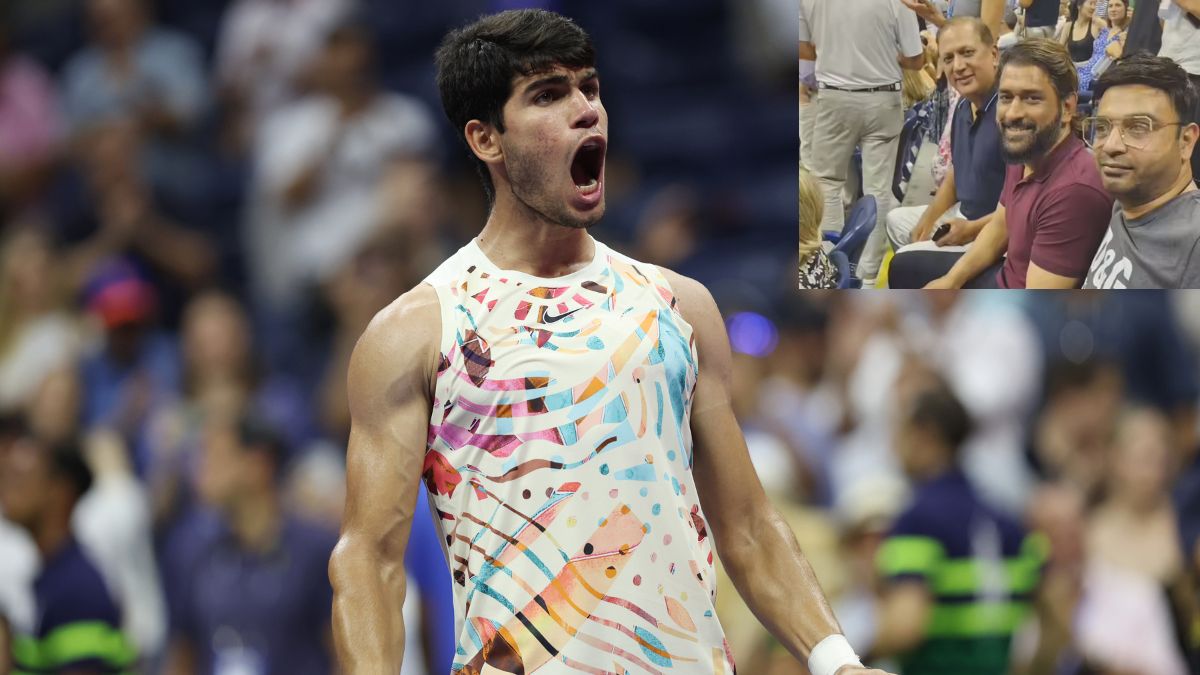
1043,140
530,183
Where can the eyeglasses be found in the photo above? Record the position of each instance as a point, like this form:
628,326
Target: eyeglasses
1135,130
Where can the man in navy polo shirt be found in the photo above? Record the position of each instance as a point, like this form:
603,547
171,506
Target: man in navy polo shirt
959,577
1053,210
971,189
77,623
252,594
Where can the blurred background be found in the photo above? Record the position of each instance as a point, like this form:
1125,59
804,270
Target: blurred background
202,204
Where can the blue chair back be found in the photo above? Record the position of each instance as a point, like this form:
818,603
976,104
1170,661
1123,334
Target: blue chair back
842,263
859,224
912,136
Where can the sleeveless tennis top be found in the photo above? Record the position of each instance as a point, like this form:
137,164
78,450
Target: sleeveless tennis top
559,469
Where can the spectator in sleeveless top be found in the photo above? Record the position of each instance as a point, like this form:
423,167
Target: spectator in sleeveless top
1081,32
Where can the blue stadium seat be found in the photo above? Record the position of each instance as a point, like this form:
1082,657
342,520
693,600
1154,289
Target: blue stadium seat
911,138
842,263
859,224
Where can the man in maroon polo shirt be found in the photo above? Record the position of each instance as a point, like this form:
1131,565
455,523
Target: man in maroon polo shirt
1054,210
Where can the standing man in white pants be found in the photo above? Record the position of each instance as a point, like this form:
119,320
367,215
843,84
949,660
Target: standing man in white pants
808,92
861,46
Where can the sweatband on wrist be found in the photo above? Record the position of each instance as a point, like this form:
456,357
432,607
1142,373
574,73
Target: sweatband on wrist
830,654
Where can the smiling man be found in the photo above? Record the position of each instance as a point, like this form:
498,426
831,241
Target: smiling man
1143,138
968,196
568,409
1053,208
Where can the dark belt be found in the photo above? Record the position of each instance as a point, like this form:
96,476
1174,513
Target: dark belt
886,87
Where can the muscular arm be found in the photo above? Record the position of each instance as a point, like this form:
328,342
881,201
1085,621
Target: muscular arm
756,546
390,388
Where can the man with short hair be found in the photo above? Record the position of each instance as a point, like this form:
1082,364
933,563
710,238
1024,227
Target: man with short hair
1143,135
249,584
858,72
543,386
958,576
969,194
77,622
1050,219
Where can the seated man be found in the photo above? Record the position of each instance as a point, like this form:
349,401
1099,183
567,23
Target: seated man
971,189
1143,136
1050,219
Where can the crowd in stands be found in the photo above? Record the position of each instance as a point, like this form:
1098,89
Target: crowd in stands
203,204
1066,141
986,483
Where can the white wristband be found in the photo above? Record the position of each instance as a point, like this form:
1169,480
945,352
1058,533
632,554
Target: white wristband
830,654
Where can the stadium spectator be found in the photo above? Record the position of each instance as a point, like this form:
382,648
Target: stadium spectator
816,271
114,211
221,375
968,195
77,623
858,69
263,51
1040,19
134,71
318,164
1142,136
958,575
1145,28
1181,43
1052,202
37,334
30,127
1124,621
134,369
250,586
1082,31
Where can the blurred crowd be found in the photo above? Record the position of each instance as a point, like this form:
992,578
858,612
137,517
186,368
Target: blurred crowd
986,483
202,204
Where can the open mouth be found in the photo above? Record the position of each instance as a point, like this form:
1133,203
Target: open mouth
588,165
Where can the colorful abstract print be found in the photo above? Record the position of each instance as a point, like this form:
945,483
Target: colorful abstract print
559,467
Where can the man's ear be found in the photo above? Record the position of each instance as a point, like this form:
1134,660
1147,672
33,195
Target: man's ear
484,141
1188,140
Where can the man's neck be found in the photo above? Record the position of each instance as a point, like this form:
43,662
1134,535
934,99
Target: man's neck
52,534
1038,164
979,101
1182,184
517,238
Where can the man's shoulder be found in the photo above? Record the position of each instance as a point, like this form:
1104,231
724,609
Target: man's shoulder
72,590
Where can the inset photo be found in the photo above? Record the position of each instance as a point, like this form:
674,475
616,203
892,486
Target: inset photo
1000,144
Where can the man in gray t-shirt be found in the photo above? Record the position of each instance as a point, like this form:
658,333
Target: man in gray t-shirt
1143,135
1158,250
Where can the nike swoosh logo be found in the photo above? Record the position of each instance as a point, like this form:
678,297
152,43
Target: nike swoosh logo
550,318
